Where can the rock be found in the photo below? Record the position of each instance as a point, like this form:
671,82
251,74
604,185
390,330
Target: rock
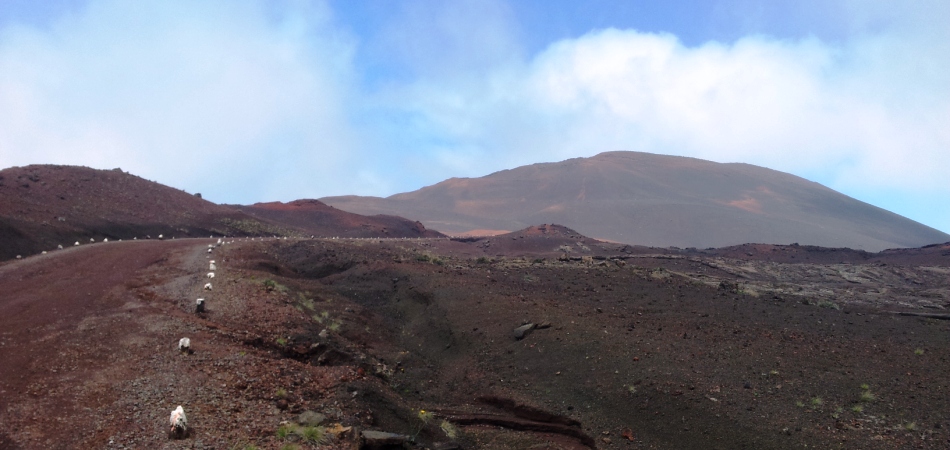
543,325
310,418
627,434
381,439
522,331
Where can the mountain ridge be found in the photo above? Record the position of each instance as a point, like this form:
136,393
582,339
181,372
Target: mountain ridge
654,200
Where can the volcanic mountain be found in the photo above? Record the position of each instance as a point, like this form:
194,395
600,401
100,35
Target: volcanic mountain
654,200
42,206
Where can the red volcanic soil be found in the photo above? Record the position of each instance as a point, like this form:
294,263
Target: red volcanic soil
43,206
323,220
626,347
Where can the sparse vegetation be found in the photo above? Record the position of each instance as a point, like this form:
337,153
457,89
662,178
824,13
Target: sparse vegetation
816,402
910,426
828,304
270,285
309,434
482,260
281,342
837,413
424,417
331,324
857,409
281,393
449,429
422,258
919,351
867,396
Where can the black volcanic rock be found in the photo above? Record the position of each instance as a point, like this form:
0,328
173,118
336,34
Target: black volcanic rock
654,200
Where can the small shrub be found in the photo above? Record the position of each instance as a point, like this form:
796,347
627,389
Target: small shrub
867,396
315,435
828,304
312,434
269,285
865,386
482,260
857,409
425,416
422,258
800,404
816,402
449,429
910,426
281,342
281,393
919,351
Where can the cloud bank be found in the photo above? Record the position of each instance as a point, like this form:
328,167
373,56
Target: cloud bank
260,101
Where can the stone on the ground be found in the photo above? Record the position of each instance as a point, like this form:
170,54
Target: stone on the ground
381,439
310,418
523,331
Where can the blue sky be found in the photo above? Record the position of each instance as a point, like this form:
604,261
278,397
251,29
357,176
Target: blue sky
248,101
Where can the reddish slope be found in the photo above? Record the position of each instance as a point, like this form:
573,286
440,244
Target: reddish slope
655,200
42,206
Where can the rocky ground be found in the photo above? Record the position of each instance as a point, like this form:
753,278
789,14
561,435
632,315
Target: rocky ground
537,339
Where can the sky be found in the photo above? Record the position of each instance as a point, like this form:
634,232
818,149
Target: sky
261,100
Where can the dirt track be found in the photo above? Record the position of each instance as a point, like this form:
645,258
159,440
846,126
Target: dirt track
71,330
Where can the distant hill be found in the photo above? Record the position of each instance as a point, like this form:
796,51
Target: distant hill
42,206
654,200
323,220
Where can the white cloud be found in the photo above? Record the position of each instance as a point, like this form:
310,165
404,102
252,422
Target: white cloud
875,108
269,94
178,93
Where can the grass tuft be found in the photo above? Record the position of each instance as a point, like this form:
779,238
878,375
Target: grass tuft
449,429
